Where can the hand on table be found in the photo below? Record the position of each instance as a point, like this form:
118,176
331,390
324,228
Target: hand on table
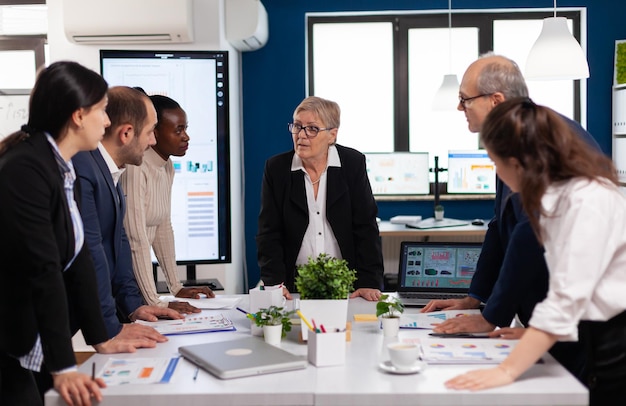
479,379
366,293
451,304
474,323
152,313
193,292
508,333
77,389
183,307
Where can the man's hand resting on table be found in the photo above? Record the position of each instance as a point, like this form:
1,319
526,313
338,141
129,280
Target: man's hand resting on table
153,313
451,304
474,323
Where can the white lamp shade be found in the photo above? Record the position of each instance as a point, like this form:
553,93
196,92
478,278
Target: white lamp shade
447,97
556,54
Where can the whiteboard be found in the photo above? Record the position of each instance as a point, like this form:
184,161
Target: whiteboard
13,112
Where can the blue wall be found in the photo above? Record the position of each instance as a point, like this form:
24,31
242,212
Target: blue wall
274,84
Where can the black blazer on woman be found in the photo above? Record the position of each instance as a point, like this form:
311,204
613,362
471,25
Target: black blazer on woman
36,242
350,209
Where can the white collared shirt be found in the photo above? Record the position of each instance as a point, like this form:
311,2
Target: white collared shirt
584,236
319,237
115,171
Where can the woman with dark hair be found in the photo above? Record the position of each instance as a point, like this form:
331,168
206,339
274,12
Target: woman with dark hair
148,222
579,216
50,286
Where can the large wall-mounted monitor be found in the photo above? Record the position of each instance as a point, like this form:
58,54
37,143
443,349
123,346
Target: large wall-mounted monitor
471,172
198,81
398,173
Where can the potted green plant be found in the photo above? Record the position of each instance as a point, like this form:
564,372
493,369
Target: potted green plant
324,285
438,212
275,321
389,308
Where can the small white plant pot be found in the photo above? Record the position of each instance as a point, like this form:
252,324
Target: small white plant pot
272,334
391,326
439,215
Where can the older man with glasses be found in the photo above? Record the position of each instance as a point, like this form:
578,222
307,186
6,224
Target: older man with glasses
317,199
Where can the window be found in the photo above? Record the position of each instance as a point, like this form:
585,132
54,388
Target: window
23,32
385,70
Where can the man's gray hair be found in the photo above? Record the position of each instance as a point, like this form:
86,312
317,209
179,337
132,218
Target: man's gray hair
501,75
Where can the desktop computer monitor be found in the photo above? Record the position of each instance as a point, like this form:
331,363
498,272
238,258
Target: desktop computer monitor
471,172
398,173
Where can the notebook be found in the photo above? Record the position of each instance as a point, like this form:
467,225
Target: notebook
435,270
241,357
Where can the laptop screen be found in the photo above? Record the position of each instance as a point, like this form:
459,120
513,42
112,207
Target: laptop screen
437,266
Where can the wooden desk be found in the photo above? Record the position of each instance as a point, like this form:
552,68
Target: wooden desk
358,382
393,234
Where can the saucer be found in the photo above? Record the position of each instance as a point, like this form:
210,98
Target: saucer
387,366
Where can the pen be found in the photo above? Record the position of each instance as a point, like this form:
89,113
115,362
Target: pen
195,374
322,328
299,313
243,311
93,371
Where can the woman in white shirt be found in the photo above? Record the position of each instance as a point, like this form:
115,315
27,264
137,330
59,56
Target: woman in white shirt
579,215
148,218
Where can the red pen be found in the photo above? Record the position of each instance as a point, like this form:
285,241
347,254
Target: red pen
322,328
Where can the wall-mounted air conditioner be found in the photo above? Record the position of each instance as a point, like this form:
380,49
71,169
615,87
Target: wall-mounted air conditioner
246,24
128,21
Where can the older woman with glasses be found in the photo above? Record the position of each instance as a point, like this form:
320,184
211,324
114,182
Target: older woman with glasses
317,199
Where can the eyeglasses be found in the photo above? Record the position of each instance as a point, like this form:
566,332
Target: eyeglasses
463,100
311,131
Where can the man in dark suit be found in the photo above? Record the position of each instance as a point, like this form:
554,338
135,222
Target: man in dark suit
133,119
511,275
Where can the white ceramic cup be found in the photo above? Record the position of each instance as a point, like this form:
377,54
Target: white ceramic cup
403,355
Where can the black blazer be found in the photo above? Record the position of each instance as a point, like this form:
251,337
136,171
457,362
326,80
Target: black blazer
36,242
350,209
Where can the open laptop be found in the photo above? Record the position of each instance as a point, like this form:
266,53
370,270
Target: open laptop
241,357
435,270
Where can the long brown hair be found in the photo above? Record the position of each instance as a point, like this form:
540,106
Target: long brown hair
546,147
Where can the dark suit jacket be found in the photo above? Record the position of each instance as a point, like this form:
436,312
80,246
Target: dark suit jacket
36,243
103,211
350,208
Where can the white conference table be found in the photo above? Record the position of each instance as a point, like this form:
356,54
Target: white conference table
358,382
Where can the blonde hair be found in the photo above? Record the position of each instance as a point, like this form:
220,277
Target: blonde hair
328,111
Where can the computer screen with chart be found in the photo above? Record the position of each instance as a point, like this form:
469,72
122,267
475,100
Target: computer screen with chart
198,81
471,172
398,173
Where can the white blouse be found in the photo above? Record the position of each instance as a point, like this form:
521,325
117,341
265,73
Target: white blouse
584,236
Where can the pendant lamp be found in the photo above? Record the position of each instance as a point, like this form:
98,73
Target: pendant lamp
556,54
446,97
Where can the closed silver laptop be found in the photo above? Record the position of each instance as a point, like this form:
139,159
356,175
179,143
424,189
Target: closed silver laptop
241,357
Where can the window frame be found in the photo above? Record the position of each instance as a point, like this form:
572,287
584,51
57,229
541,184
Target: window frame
402,23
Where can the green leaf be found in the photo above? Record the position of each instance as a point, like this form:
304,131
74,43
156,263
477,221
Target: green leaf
325,278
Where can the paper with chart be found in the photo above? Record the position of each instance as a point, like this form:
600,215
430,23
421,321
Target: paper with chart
465,350
214,303
202,323
138,370
429,320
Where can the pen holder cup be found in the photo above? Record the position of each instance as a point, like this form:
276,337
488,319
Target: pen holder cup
326,349
262,299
